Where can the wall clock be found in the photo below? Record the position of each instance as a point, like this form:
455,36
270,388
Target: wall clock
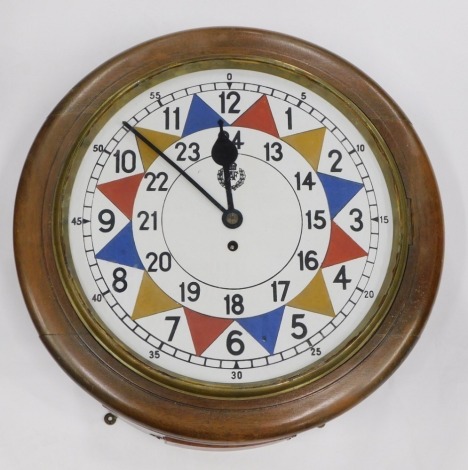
228,236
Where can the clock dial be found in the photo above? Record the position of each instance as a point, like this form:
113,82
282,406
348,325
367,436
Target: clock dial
231,226
190,294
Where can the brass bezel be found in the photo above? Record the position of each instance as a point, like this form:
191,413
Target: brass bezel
285,383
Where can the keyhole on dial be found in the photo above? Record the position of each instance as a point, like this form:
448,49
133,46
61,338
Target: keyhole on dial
232,246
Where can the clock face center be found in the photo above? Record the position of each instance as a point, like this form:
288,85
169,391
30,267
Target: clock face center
232,218
269,234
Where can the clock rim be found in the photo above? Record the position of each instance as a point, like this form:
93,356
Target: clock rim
208,421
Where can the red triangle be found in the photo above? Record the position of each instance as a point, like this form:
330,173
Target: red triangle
341,248
122,192
258,116
204,329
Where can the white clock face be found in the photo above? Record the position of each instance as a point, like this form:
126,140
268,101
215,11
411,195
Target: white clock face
191,295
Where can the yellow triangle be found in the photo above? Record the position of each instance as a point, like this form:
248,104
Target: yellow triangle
160,139
314,297
308,144
151,299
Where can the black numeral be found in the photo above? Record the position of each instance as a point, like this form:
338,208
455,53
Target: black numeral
336,154
176,321
273,151
194,155
191,291
154,354
315,352
107,218
307,181
146,224
288,113
152,181
341,278
358,224
237,140
318,221
125,161
276,285
162,262
296,324
231,96
308,260
234,344
120,283
174,118
234,304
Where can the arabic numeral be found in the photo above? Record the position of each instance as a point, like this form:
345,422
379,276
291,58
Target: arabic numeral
308,260
175,321
315,352
237,140
172,119
125,161
107,219
336,154
274,151
360,148
162,262
341,278
318,221
236,375
149,221
369,294
284,290
191,291
234,344
288,113
193,146
96,298
152,177
358,223
234,304
299,327
119,283
306,181
234,98
154,354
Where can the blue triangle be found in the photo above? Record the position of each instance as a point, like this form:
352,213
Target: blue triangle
339,191
200,117
122,250
264,328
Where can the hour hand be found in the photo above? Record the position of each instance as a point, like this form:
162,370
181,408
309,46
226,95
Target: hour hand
224,153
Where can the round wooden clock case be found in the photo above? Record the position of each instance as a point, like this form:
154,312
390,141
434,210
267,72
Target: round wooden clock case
228,236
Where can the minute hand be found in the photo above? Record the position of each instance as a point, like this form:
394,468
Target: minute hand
174,165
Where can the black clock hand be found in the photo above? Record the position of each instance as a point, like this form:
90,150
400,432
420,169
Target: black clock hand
224,153
140,136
